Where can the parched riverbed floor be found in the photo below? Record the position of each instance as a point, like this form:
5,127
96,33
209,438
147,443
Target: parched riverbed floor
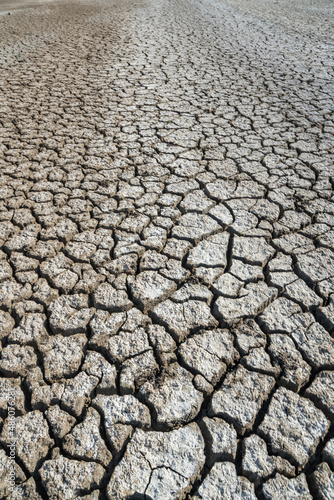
166,263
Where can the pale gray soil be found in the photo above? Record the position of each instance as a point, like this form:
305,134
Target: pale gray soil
166,262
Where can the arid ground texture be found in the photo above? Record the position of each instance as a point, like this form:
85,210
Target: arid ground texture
166,262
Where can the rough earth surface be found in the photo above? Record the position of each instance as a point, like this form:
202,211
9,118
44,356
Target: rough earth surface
166,249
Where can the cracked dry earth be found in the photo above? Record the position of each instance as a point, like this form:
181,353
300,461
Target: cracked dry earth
166,263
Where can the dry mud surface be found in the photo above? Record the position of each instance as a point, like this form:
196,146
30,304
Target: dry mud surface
166,262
